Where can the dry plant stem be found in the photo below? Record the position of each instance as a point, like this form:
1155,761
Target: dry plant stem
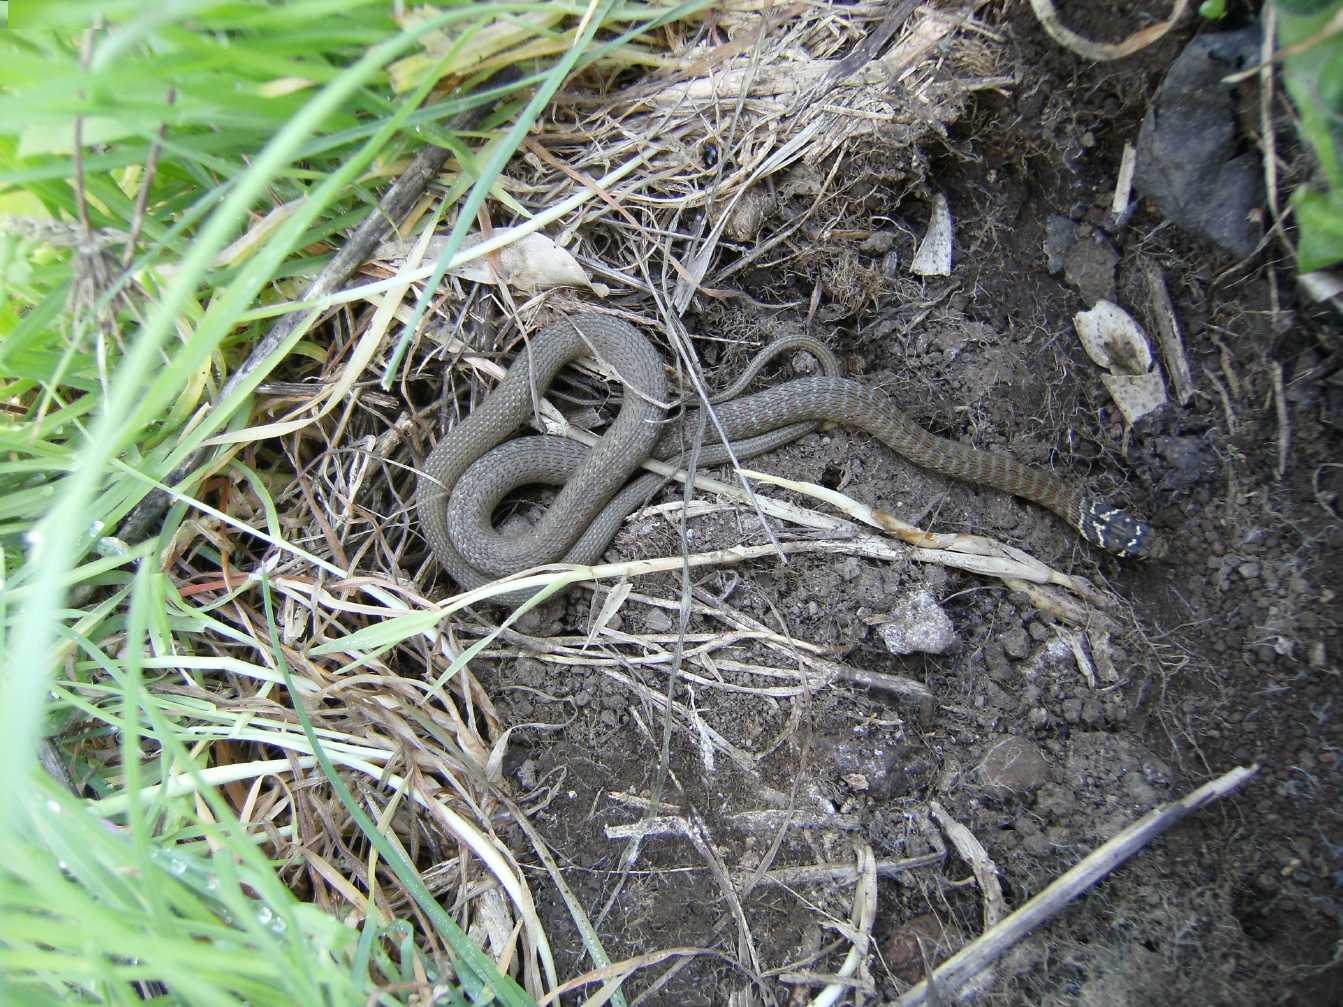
146,183
868,49
1066,37
573,651
1266,96
1168,335
814,874
391,209
1284,421
744,821
854,966
973,853
963,966
1119,205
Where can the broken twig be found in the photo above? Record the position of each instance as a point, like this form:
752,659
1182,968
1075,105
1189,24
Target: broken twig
961,967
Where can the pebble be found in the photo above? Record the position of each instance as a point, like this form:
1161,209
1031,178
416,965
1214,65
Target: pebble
1011,767
902,953
918,624
1089,266
657,620
878,242
995,659
1016,643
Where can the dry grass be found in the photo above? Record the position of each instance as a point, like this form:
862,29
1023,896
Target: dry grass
754,108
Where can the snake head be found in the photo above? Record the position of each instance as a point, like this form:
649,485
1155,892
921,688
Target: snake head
1119,532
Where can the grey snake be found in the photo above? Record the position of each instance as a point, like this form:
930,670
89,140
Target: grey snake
473,467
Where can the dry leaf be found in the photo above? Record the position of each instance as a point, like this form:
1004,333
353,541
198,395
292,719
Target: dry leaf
1136,395
533,262
1116,342
1113,339
934,255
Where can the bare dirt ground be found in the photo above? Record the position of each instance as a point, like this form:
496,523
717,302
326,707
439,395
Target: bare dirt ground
1231,653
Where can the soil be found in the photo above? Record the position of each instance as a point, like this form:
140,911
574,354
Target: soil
1230,655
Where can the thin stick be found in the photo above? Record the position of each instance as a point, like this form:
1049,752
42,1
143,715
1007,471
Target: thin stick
1284,420
957,970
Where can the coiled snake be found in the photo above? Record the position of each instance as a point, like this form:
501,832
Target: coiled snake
473,467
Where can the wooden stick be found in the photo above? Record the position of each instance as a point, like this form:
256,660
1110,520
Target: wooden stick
961,967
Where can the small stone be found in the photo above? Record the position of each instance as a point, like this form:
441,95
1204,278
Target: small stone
918,624
527,773
1012,767
1249,569
903,954
1016,643
657,620
1039,631
1060,234
1089,265
878,242
995,659
529,671
1036,845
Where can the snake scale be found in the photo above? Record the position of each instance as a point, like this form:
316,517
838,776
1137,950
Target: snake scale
474,466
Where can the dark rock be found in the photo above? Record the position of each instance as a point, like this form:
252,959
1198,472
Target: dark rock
1184,463
1060,235
1189,159
1089,265
1012,767
903,953
885,771
1016,643
995,659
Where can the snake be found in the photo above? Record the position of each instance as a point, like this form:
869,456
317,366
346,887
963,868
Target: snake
475,465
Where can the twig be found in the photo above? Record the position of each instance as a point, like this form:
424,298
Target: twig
1168,335
860,924
1284,421
792,877
1069,39
961,967
146,183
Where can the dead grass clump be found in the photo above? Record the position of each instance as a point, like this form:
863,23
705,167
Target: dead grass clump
734,152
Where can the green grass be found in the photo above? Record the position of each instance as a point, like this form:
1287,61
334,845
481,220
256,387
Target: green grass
1310,33
110,382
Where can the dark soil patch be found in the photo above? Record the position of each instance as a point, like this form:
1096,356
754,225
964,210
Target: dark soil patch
1233,658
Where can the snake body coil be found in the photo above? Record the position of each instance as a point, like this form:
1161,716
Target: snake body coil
473,468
